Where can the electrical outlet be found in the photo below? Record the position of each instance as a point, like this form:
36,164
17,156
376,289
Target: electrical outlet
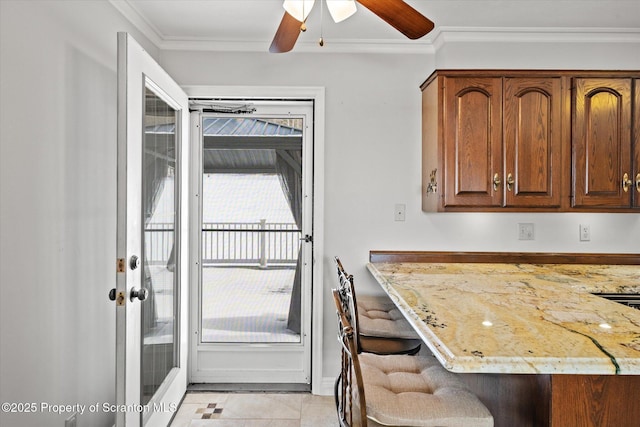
585,232
72,421
526,231
400,212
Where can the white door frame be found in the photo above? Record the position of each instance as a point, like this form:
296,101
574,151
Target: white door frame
317,94
136,71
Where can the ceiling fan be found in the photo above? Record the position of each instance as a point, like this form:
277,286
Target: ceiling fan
396,13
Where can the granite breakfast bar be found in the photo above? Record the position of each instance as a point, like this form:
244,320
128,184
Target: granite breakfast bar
525,331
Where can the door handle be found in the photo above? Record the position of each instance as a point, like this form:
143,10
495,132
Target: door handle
141,294
307,238
626,182
510,182
496,182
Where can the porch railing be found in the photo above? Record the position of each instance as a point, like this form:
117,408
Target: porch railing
158,242
257,243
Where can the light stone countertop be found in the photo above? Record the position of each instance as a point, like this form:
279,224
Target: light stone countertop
520,318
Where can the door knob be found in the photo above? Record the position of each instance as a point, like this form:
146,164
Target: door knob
141,294
134,262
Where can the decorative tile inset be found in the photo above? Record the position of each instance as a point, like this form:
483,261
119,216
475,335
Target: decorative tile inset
208,412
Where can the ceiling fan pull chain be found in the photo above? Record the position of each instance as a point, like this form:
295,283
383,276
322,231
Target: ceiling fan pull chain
321,41
303,26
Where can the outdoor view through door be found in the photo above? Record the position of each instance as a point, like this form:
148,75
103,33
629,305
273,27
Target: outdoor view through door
159,312
251,229
255,206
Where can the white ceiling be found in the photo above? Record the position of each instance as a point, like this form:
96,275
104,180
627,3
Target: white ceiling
249,25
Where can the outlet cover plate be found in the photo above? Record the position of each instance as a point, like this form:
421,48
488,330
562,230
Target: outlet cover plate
72,421
526,231
585,233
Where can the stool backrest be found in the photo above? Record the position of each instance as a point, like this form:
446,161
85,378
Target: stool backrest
349,384
347,293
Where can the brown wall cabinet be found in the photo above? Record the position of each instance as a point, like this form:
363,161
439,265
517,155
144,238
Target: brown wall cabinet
605,155
502,141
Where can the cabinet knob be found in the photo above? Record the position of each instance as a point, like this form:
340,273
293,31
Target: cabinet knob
626,182
496,182
638,183
510,182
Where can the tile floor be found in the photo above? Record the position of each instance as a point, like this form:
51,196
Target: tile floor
256,410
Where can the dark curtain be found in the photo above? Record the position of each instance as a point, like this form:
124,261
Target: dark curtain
289,169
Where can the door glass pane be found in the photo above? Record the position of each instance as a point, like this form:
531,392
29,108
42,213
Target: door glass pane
159,310
251,229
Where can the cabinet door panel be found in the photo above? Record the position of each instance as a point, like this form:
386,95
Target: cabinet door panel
472,141
533,141
601,142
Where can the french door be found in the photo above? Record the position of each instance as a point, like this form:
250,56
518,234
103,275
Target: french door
152,241
251,316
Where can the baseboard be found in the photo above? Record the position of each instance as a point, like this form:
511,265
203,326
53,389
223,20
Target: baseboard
325,387
248,387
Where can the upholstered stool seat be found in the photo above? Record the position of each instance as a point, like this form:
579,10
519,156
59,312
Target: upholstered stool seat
381,328
417,391
379,317
398,390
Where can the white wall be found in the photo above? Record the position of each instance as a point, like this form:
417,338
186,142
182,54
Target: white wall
58,206
57,182
372,153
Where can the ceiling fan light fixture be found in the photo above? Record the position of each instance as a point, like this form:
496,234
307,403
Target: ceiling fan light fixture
299,9
341,9
397,13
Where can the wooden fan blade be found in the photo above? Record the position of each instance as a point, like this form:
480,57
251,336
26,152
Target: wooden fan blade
400,16
286,35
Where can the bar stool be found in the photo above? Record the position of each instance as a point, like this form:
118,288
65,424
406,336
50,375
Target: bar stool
399,390
380,327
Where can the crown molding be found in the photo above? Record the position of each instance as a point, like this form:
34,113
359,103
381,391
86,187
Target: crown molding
139,21
427,45
330,46
534,35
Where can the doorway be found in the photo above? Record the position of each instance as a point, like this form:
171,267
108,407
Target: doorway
254,174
